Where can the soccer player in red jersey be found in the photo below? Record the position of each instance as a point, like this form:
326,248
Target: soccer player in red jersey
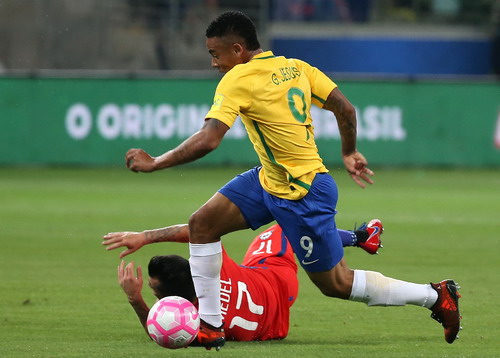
256,296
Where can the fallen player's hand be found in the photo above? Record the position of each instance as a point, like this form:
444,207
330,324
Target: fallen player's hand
132,240
129,282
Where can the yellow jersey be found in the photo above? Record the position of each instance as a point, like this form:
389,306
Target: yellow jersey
273,97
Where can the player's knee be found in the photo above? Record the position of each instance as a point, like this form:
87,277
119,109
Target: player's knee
198,228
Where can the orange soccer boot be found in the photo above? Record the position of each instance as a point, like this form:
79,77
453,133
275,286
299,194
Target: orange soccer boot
210,336
445,310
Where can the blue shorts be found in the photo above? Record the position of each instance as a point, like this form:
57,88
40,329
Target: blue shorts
308,223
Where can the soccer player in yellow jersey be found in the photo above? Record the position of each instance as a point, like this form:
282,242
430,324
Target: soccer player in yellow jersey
273,95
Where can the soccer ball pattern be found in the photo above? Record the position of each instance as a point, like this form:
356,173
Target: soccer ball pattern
173,322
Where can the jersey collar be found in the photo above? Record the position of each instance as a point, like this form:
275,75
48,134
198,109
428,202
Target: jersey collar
263,56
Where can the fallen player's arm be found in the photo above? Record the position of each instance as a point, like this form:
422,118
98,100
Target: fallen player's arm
131,285
135,240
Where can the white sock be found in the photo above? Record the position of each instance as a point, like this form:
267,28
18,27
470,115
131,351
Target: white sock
375,289
205,261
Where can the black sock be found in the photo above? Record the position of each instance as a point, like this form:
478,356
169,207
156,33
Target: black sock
362,235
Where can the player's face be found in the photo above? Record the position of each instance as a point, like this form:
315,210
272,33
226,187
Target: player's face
154,283
225,53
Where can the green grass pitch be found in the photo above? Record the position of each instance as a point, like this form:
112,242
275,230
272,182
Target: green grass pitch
59,295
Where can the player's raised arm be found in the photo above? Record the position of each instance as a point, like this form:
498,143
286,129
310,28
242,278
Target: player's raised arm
345,113
133,241
195,147
131,285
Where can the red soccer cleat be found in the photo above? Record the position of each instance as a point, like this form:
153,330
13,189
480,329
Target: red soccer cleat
210,336
445,310
374,229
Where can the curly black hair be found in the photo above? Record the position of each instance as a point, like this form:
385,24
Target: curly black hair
174,275
235,23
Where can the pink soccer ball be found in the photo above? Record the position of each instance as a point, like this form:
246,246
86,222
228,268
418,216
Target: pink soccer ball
173,322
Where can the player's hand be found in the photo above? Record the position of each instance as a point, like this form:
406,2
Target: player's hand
132,240
137,160
355,164
129,282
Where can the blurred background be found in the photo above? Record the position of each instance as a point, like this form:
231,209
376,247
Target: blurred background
96,77
169,34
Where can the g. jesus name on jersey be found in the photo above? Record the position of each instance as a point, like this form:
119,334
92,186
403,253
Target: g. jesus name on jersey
256,296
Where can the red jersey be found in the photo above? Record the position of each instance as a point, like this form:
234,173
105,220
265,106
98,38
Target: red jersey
256,296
